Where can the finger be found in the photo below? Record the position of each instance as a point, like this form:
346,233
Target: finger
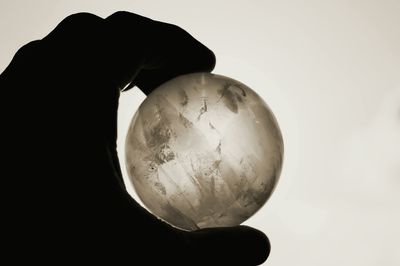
124,47
86,54
241,245
127,48
167,50
79,59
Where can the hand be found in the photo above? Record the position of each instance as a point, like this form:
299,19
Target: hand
67,197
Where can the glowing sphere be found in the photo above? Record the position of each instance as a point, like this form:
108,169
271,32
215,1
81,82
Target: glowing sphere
204,150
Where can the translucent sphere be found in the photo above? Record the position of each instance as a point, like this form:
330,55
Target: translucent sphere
204,150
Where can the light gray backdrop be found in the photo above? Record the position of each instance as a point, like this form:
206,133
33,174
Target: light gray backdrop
330,71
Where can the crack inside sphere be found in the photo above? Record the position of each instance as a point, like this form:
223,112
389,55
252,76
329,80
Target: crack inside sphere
204,150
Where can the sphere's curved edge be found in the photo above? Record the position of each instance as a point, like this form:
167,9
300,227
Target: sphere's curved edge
201,78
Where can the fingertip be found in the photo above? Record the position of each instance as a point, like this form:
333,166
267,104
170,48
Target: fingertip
259,242
240,245
212,60
206,59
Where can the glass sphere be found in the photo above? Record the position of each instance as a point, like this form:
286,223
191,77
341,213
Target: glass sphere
204,150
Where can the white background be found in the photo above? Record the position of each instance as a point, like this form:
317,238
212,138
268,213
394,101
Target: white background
330,71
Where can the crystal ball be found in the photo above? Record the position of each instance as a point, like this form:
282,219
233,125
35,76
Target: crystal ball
203,150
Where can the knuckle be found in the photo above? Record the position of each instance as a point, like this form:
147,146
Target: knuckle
121,14
24,59
28,49
79,18
75,24
122,20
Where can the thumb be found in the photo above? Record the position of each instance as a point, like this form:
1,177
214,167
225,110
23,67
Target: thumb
240,245
166,50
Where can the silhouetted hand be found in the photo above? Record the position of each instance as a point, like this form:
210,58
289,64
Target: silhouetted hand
66,196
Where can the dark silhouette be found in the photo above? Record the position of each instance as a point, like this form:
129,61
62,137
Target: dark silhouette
64,195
